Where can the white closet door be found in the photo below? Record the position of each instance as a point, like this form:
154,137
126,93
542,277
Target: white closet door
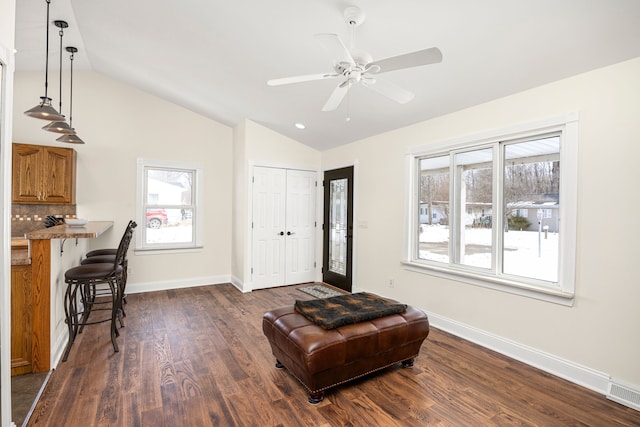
283,227
300,227
269,202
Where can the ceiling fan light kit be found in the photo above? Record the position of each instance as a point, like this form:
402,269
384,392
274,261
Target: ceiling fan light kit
356,66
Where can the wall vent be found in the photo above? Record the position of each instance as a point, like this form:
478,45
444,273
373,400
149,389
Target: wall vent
624,395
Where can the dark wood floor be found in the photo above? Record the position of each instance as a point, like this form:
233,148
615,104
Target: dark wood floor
197,357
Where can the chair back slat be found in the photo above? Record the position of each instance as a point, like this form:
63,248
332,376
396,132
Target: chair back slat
123,247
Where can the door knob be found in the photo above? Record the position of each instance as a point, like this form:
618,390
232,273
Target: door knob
289,233
281,233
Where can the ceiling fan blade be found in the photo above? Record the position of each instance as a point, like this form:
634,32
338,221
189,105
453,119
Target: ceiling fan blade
336,48
390,90
337,96
408,60
299,79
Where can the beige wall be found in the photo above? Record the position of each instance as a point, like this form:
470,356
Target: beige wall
120,124
255,144
600,331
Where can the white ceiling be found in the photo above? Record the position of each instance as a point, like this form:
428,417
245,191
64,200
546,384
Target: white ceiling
214,57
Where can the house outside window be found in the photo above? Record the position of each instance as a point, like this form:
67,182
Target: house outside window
169,205
499,200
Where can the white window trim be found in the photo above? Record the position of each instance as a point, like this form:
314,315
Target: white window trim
198,224
565,291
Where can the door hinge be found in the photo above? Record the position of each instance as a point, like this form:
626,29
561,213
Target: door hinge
251,224
314,264
251,270
322,270
253,179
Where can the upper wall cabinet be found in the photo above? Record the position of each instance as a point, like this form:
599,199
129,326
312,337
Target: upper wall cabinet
43,174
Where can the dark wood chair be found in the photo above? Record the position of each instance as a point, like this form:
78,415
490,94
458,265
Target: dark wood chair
82,296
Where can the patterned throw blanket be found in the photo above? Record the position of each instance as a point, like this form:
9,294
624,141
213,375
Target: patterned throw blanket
331,313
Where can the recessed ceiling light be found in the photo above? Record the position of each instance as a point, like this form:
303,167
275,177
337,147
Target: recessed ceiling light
300,125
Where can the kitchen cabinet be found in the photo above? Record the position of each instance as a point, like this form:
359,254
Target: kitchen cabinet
21,320
43,174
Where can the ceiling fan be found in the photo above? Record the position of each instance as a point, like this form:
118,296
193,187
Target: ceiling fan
356,66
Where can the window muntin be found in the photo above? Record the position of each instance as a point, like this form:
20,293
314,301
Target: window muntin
556,279
168,205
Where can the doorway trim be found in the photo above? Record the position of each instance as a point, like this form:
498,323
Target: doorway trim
356,221
6,113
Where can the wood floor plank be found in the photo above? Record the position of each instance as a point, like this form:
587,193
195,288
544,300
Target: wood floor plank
198,357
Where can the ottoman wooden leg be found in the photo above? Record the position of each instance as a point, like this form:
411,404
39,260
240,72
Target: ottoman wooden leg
315,398
408,363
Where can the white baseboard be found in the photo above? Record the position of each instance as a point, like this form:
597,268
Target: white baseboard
570,371
58,348
239,284
135,288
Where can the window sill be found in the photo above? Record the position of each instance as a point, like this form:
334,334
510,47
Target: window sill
504,285
161,251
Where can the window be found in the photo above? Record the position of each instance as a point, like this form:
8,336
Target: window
168,205
489,209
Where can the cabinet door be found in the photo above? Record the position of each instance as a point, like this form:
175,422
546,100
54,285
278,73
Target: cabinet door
21,320
27,173
58,175
43,174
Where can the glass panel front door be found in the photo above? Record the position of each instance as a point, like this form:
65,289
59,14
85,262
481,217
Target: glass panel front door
338,228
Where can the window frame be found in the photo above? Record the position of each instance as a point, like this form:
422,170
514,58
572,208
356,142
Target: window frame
197,205
563,291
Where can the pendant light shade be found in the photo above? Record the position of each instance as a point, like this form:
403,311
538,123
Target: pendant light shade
60,126
71,138
44,110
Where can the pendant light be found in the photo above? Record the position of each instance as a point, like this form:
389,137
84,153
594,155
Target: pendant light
44,110
60,126
71,138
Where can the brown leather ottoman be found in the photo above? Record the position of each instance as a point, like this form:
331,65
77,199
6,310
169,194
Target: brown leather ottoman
321,358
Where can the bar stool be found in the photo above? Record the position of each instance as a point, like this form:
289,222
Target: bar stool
81,296
109,251
108,255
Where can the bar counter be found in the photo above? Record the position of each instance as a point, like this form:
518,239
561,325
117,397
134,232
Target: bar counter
89,231
40,242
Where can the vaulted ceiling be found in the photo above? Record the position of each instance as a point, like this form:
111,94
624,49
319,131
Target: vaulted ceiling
215,57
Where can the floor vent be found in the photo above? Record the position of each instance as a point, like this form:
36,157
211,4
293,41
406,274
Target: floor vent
624,395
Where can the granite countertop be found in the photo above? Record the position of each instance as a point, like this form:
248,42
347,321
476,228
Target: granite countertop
89,231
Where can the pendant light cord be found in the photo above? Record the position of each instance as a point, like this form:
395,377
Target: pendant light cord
71,92
60,101
46,63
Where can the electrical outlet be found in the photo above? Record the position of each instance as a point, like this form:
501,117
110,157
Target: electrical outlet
391,282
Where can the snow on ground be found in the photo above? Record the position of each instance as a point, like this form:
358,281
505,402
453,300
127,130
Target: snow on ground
526,253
